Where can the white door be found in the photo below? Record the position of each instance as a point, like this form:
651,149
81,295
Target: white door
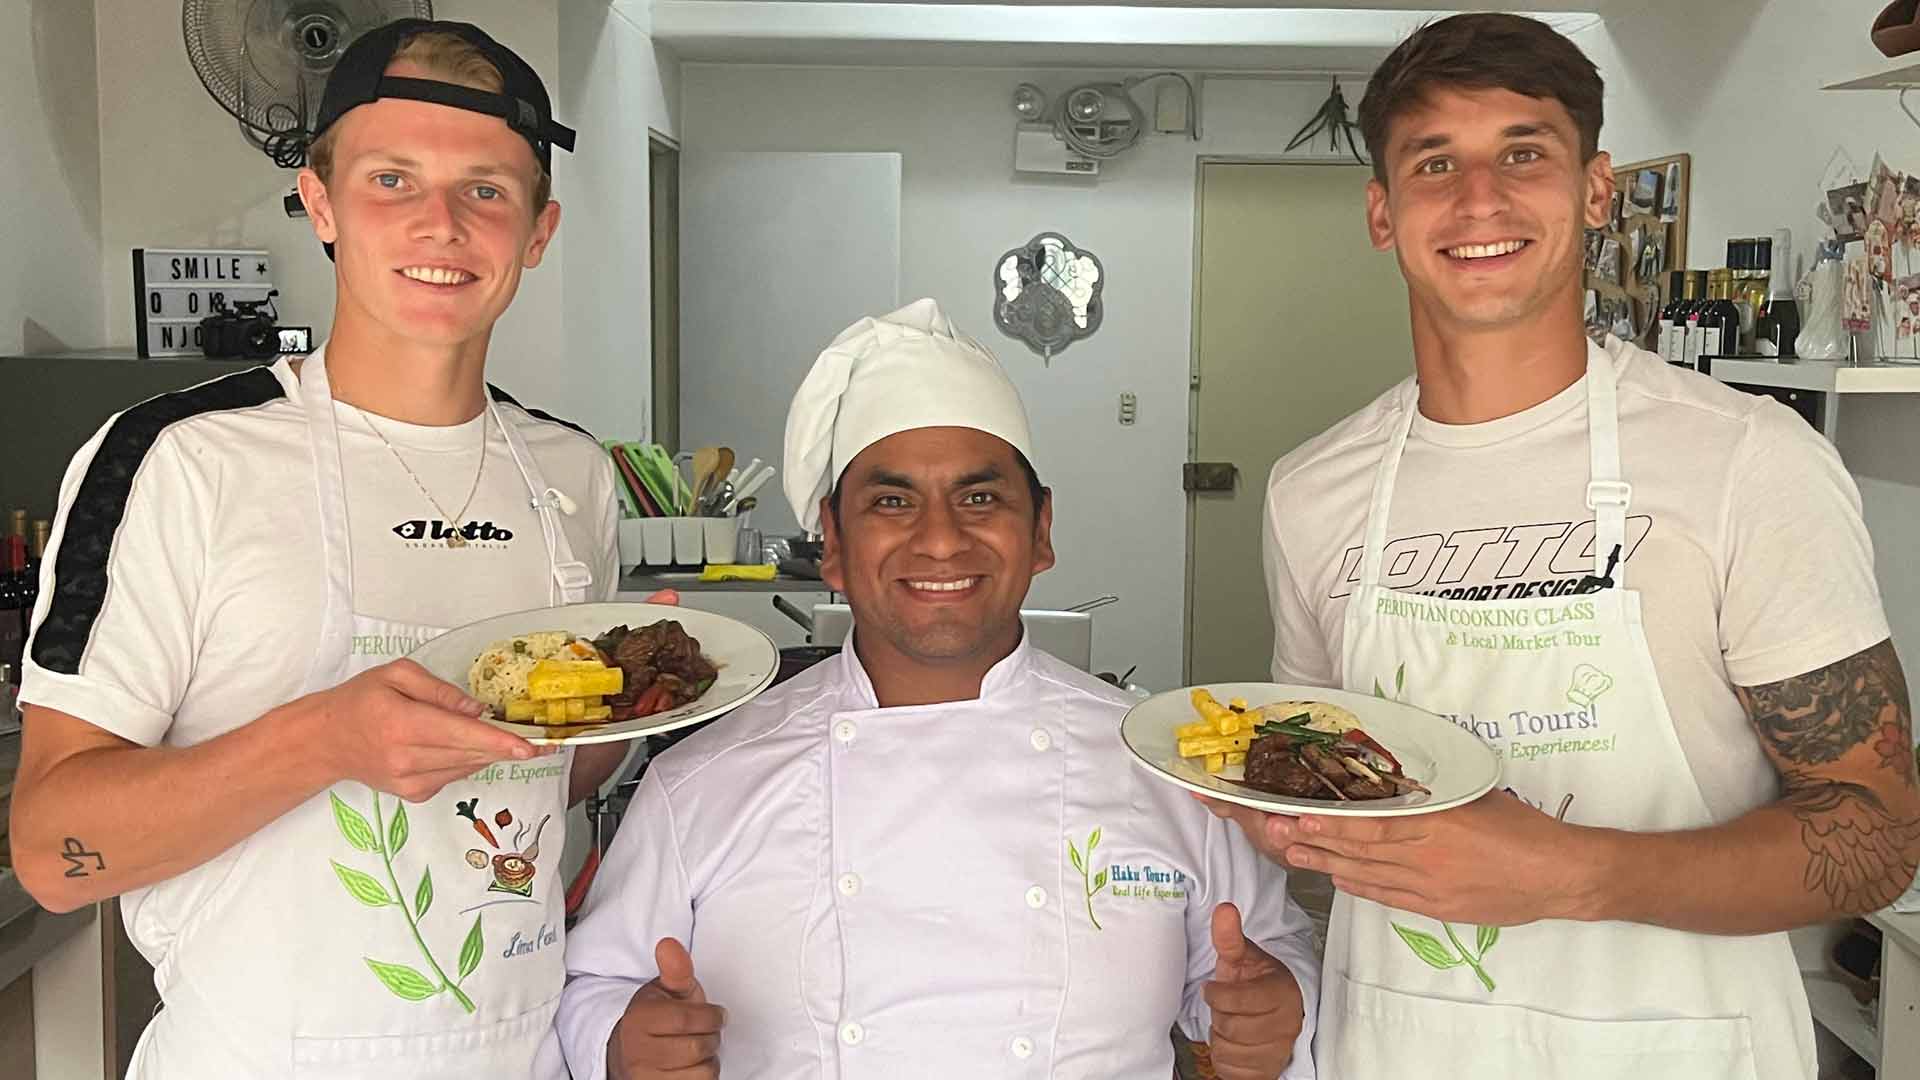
1298,323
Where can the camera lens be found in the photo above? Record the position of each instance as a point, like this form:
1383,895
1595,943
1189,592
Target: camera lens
262,340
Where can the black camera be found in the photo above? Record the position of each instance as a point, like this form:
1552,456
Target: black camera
246,328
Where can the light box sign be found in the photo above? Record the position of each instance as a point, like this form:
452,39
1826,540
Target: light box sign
173,289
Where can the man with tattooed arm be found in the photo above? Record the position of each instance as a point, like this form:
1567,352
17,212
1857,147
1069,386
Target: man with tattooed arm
1705,730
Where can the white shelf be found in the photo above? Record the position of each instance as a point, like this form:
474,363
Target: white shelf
1835,1009
1821,376
1898,79
1904,929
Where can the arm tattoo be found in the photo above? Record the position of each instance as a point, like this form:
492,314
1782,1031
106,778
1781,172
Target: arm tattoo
1816,718
78,858
1861,853
1858,852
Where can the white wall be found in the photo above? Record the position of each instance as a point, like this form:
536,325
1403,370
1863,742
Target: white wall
762,290
614,87
49,178
175,171
1121,518
1762,133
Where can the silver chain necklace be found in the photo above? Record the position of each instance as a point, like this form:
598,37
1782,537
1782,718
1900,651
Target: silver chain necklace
454,539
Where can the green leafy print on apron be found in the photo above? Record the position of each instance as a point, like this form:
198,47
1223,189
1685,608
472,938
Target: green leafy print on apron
1399,685
1428,948
385,839
1092,886
1436,954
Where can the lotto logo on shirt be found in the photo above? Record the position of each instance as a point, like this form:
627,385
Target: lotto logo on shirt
1502,562
435,533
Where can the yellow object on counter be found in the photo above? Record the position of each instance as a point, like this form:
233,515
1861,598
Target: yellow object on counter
739,572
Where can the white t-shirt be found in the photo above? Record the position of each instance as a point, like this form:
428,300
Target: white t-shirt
179,594
1744,539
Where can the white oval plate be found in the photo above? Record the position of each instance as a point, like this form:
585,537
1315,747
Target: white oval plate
747,658
1451,761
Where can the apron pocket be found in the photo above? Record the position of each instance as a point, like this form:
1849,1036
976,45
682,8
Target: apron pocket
1386,1033
505,1049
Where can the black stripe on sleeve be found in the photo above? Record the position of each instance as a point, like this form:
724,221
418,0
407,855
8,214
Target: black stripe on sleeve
505,398
86,540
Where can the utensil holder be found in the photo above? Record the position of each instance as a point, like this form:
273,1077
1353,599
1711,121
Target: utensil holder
658,541
721,536
678,541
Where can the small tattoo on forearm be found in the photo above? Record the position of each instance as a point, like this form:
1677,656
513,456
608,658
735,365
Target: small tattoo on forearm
79,858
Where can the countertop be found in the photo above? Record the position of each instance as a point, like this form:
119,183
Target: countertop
645,580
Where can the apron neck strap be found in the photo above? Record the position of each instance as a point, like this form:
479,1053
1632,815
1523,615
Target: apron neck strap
1608,495
568,577
1384,479
336,550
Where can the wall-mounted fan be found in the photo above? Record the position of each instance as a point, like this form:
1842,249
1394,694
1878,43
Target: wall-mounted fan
266,61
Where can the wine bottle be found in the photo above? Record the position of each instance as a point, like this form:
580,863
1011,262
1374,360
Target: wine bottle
13,625
1696,333
30,577
1683,320
1668,342
1779,324
1719,322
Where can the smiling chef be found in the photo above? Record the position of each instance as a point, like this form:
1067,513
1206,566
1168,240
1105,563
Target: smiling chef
1651,594
929,855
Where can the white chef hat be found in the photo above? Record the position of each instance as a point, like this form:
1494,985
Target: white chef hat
907,370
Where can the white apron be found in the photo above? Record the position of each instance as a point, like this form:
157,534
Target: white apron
1564,688
401,952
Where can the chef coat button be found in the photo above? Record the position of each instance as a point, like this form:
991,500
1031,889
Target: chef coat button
852,1034
1040,739
1022,1047
1036,897
844,731
849,884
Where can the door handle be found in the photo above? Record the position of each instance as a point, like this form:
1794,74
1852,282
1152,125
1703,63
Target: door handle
1209,475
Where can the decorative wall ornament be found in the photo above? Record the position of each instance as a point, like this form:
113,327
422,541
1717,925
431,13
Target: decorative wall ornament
1332,120
1047,294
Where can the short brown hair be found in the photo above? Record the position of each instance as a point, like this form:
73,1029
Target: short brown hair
1483,51
455,60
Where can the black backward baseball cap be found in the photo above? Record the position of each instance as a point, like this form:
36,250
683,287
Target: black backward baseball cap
360,78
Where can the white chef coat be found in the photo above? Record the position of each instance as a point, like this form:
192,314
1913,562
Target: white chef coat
978,888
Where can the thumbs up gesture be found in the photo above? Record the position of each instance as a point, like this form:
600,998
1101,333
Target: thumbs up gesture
669,1028
1257,1008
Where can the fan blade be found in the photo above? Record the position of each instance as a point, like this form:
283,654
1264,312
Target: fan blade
267,61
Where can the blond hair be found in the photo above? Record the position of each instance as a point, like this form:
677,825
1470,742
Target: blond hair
453,59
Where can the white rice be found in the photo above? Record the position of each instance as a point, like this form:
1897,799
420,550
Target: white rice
1321,715
499,673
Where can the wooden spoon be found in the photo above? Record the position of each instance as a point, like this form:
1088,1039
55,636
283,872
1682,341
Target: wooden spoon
722,467
705,460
